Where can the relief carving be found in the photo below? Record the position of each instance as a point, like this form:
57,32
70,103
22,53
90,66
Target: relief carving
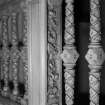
54,91
95,55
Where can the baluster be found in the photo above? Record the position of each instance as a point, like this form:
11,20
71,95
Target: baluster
1,45
5,56
24,58
69,54
25,38
24,54
14,57
5,60
95,55
14,29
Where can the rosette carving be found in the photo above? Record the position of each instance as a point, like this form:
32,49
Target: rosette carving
95,55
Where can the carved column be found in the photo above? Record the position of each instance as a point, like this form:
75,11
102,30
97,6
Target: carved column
5,55
95,55
69,55
54,44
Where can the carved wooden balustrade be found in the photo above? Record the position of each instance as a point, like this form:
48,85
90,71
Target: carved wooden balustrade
13,53
69,54
95,55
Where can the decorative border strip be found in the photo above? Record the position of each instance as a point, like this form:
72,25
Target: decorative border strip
54,43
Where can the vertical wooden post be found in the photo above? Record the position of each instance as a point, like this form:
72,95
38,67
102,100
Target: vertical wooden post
69,54
95,55
54,48
14,55
5,56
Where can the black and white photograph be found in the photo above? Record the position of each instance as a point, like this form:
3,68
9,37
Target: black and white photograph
52,52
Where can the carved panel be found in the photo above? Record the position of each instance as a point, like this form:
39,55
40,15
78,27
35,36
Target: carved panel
54,44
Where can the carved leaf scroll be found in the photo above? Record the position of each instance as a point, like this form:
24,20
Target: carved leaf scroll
54,71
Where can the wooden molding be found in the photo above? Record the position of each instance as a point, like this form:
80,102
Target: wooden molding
54,48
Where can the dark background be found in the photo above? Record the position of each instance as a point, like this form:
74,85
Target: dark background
82,20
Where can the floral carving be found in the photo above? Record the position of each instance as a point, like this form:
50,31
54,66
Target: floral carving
54,92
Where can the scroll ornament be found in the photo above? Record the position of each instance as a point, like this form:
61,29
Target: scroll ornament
53,40
69,54
95,55
5,56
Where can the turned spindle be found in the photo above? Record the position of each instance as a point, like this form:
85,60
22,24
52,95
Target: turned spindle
14,55
69,54
95,55
5,56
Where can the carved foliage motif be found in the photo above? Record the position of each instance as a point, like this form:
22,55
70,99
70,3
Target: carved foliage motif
53,80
